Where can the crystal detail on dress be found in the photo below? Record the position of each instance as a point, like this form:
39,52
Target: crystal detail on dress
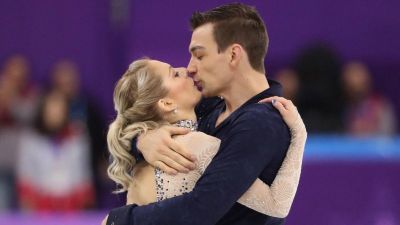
204,147
159,184
192,125
159,174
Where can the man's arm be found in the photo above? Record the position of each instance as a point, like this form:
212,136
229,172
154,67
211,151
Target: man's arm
241,159
162,151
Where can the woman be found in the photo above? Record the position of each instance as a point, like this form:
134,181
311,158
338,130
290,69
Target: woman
151,94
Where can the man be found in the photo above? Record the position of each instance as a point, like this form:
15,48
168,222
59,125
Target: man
228,47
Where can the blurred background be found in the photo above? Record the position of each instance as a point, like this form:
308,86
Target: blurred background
339,61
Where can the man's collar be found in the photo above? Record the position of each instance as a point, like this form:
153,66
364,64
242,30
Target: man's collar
275,89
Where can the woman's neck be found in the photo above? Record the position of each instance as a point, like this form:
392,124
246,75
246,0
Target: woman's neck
182,115
186,120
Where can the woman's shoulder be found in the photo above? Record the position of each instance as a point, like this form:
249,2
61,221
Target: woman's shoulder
197,136
199,143
204,146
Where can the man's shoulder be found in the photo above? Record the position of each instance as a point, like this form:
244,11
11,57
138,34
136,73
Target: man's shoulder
260,114
260,108
261,119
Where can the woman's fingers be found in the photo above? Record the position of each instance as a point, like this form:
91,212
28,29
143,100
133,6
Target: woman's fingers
288,104
280,107
285,107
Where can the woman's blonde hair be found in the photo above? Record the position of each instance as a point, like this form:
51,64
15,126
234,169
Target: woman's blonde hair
135,100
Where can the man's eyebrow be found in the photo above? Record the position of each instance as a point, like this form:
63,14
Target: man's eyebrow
196,47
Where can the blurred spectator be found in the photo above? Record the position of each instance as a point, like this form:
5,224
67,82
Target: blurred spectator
66,79
17,93
18,101
367,112
53,165
320,100
290,82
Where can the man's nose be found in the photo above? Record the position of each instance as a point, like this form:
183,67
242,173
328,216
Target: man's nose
191,69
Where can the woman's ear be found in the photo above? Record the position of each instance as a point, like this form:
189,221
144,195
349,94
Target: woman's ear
166,105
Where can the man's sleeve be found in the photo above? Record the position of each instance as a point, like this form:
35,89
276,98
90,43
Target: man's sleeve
134,150
252,145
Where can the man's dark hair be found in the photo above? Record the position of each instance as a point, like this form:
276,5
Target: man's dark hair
237,23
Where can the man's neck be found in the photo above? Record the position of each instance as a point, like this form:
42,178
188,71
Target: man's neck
243,88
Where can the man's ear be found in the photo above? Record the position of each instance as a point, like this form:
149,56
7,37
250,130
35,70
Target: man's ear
166,105
236,53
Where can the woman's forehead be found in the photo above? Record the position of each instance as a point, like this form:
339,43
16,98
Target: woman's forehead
159,66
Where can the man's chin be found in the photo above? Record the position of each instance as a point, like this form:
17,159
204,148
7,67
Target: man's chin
207,94
204,94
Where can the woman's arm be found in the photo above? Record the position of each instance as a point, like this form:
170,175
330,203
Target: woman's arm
277,199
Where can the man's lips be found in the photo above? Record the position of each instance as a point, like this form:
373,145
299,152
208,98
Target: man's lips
198,85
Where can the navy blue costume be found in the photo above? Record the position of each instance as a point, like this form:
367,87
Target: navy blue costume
254,142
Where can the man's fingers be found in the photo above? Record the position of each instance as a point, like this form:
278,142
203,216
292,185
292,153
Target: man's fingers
173,130
174,165
178,158
162,166
180,155
184,152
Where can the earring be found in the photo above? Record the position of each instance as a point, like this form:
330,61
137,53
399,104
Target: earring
175,111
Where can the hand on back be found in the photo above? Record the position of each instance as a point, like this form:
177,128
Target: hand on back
160,150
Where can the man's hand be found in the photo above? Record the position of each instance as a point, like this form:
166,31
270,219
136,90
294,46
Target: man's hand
160,150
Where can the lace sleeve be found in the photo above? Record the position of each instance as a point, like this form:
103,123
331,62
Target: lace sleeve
204,147
277,199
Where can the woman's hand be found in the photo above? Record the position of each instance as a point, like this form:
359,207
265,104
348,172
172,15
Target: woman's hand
104,222
286,108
